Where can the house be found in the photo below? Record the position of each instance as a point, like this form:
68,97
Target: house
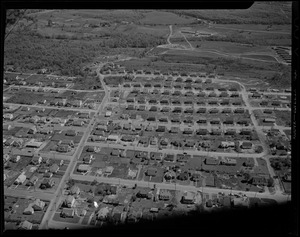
76,103
63,148
269,120
54,168
15,159
28,211
225,144
75,190
83,115
8,116
26,225
241,202
245,132
228,161
229,121
45,131
20,180
38,205
7,127
144,193
211,161
109,170
6,157
112,138
102,213
71,133
246,145
216,132
47,183
225,201
32,181
210,181
169,157
188,198
36,160
67,212
67,142
108,113
239,111
151,171
170,175
259,180
83,168
215,121
33,144
202,131
69,201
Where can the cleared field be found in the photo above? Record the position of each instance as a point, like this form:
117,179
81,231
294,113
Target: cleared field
228,47
279,13
259,57
165,18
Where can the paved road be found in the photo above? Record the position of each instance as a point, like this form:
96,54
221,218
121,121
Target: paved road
168,39
131,183
29,194
50,211
51,107
53,88
173,151
258,31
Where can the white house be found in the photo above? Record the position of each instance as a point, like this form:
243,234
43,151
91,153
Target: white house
8,116
20,180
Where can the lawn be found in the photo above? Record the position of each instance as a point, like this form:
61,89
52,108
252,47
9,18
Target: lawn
19,206
283,118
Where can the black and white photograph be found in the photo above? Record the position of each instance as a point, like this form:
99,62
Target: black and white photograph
136,118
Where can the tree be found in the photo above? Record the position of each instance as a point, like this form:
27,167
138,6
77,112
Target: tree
247,177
